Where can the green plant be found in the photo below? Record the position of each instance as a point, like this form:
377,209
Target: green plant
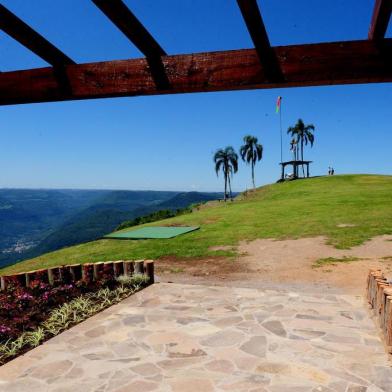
72,313
227,161
34,338
251,152
176,270
290,210
333,261
302,134
135,280
154,216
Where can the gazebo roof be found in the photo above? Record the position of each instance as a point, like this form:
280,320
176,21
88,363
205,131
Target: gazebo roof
295,162
316,64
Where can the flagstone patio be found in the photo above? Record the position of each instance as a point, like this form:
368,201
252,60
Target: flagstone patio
173,337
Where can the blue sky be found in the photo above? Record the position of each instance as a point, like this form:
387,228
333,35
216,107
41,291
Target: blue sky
167,142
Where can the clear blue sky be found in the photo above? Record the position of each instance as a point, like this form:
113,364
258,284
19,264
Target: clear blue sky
167,142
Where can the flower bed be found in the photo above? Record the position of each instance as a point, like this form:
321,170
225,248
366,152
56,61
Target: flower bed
30,315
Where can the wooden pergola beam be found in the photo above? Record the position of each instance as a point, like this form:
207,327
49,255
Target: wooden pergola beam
122,17
380,19
347,62
25,35
254,22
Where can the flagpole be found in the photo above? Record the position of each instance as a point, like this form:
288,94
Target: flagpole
281,133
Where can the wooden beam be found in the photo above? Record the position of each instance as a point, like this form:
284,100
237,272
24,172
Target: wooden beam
132,28
334,63
380,19
254,22
25,35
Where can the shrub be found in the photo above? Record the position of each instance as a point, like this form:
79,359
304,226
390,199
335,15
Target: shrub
69,313
156,216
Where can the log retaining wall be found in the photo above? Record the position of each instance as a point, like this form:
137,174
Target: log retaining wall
379,296
76,272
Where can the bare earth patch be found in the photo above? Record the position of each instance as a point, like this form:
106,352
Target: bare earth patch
288,263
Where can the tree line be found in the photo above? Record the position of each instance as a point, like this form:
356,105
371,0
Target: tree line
251,152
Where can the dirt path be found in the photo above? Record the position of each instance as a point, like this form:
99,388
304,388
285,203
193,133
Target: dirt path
288,263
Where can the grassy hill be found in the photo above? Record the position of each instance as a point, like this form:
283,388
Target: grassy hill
348,210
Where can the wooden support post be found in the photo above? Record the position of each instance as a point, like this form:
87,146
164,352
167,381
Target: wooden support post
372,285
42,276
380,19
65,276
149,268
139,267
386,294
51,276
4,282
76,272
88,272
381,285
98,269
129,267
118,268
21,279
108,271
388,322
30,276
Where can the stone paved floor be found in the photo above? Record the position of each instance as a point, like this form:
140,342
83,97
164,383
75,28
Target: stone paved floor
181,338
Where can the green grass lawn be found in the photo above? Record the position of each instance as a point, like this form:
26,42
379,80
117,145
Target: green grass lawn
359,204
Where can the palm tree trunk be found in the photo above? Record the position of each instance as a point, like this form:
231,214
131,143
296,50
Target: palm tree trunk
231,196
253,175
302,156
224,195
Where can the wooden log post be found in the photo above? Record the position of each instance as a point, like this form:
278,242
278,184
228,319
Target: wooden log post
149,270
30,277
21,279
388,321
129,267
76,272
387,294
381,285
374,279
88,272
97,270
139,266
42,276
375,292
65,276
4,283
373,275
52,276
108,272
370,280
118,268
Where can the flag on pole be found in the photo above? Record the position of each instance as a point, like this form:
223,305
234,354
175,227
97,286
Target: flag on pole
278,101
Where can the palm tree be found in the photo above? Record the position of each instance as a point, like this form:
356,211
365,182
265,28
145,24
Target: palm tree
251,152
227,161
303,135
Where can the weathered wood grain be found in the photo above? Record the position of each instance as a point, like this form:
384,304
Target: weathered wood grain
302,65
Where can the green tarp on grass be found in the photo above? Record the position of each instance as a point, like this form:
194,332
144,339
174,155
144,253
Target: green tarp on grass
152,232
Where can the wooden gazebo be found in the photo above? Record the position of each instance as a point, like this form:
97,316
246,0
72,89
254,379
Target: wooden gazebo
347,62
295,165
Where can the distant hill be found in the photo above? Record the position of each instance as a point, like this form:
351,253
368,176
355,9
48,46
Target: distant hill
27,216
56,219
347,210
185,199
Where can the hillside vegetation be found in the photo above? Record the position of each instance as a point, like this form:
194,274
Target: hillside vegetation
348,210
38,221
